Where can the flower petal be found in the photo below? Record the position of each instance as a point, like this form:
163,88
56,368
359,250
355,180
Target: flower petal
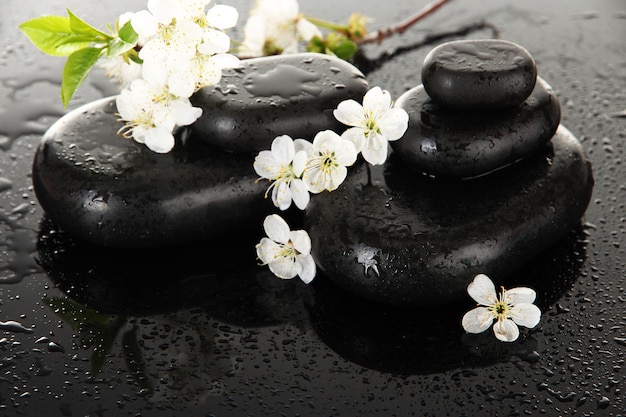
506,330
300,193
482,290
301,241
268,251
308,268
337,176
224,61
302,145
281,195
285,268
345,153
375,150
182,83
350,113
144,24
159,140
276,228
520,295
299,163
356,135
164,11
477,320
393,123
376,101
307,30
222,16
214,42
314,180
266,165
184,113
525,314
325,141
283,149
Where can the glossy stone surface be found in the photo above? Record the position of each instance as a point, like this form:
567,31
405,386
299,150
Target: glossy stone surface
484,73
451,143
112,191
408,239
267,97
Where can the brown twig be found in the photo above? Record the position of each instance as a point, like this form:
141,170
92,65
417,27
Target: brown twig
399,28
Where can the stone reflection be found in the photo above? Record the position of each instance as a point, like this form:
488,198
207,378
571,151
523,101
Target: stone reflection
419,340
168,315
215,276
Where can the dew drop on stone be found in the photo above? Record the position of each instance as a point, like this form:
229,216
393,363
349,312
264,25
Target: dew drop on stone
604,403
5,184
55,347
15,327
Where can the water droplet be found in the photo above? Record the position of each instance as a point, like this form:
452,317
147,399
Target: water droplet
14,326
5,184
285,81
55,347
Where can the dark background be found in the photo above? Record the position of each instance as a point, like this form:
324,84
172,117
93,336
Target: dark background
205,331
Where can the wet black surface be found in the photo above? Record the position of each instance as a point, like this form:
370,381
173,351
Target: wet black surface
253,345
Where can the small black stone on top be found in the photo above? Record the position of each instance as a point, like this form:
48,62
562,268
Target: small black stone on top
479,74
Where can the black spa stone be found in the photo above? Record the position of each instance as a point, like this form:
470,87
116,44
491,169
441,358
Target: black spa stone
267,97
451,143
393,237
485,74
108,190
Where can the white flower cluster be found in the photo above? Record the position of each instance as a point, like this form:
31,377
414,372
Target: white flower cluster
275,27
183,48
296,168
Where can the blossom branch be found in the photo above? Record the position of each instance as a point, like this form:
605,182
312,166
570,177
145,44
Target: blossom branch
399,28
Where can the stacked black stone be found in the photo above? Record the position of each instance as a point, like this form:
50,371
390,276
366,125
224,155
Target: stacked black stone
503,183
109,190
481,107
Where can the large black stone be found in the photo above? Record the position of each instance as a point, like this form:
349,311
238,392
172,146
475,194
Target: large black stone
112,191
394,237
267,97
486,74
452,143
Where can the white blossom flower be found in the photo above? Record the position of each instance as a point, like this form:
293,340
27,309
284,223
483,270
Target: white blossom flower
151,114
374,124
510,309
286,252
284,165
186,47
276,26
183,49
326,166
121,71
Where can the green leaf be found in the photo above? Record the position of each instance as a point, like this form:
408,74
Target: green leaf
79,26
316,44
76,69
345,50
53,35
127,34
126,40
117,47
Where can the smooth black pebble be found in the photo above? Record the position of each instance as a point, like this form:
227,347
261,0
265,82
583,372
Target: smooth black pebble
267,97
108,190
452,143
483,73
393,237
